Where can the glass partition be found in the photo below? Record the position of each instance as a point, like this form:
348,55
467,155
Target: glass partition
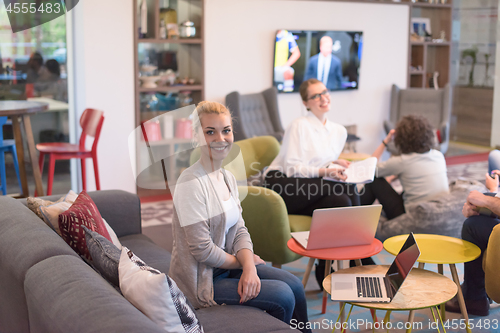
33,65
473,69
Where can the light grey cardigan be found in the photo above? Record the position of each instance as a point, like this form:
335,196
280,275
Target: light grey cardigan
199,224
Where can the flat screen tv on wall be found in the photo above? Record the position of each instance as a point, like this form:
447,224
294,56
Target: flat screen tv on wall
332,57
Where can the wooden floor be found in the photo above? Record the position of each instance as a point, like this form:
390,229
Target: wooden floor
461,148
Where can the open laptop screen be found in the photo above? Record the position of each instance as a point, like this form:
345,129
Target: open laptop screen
403,263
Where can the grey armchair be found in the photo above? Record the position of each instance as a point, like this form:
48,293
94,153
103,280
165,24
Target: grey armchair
255,114
434,104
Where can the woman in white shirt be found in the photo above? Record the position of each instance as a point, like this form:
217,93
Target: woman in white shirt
212,258
310,144
420,169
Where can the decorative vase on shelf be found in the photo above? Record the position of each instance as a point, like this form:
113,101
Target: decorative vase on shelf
143,28
149,103
149,81
167,13
168,126
183,128
163,30
185,98
152,129
169,16
187,30
472,55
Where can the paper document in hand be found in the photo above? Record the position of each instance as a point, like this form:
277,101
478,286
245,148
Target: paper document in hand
359,172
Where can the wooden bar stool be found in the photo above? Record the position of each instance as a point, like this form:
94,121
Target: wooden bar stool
91,122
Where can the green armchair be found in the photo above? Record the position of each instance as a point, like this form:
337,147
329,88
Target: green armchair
264,210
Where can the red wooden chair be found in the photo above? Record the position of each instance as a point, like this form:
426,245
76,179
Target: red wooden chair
91,123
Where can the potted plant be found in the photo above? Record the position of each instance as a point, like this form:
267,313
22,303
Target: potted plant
472,52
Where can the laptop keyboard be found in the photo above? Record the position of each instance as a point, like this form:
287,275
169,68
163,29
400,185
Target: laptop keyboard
368,287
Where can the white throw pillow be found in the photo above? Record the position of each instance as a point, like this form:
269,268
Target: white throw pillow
113,236
156,295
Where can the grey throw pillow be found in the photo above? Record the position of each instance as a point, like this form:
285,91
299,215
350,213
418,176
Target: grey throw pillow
105,256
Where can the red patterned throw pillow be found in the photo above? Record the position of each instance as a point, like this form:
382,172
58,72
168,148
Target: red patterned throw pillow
83,212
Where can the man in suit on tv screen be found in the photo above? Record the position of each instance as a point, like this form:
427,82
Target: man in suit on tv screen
325,66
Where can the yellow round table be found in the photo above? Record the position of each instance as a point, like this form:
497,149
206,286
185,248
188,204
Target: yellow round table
438,249
422,289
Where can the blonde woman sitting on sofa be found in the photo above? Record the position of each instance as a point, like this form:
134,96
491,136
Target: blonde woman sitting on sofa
212,259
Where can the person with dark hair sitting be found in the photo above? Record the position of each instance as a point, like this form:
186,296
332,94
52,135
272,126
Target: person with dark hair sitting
35,67
420,168
49,82
53,68
477,229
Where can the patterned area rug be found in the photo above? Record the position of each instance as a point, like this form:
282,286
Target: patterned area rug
476,171
157,213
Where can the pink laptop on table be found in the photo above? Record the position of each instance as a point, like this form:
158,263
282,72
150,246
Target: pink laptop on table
338,227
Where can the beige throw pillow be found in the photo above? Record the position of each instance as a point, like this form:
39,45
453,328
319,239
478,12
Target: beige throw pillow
35,205
51,213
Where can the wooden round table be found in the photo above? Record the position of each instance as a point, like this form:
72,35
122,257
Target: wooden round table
422,289
438,249
23,109
335,253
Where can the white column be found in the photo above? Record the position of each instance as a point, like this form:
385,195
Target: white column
495,121
104,79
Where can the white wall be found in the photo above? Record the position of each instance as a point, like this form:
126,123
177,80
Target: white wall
104,79
239,48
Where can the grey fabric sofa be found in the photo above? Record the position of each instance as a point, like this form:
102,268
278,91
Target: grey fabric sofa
46,287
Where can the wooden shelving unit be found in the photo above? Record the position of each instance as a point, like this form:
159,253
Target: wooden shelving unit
432,5
430,56
189,51
188,61
171,41
172,88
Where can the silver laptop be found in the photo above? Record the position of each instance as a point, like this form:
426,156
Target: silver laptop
376,288
338,227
